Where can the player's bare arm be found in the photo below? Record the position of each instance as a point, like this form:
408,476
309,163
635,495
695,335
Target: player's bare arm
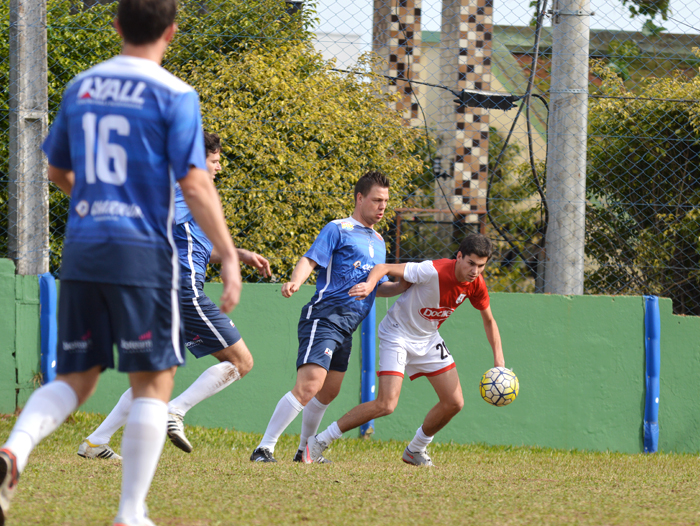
203,201
493,336
62,178
395,270
301,273
249,258
389,289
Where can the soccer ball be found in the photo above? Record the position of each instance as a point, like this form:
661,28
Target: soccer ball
499,386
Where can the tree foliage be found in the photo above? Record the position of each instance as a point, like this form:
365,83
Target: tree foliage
643,190
296,135
296,138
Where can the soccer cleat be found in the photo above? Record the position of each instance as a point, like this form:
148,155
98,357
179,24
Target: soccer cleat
89,450
143,522
300,456
262,454
9,476
419,458
314,451
176,433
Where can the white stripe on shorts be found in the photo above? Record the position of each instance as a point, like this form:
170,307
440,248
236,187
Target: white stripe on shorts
311,340
175,321
209,324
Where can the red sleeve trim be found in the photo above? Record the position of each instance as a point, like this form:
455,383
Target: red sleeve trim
434,373
389,373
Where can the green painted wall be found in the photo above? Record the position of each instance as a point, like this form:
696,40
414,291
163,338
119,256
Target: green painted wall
580,361
19,330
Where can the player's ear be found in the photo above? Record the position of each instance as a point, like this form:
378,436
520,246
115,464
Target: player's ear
170,32
117,27
459,255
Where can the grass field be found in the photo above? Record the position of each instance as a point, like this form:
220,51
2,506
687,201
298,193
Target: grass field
472,484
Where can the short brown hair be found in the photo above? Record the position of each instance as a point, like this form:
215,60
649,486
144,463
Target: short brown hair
144,21
212,142
370,179
476,244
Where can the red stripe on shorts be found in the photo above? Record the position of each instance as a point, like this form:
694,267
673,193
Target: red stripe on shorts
434,373
390,373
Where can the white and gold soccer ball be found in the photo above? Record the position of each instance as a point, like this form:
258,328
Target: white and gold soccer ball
499,386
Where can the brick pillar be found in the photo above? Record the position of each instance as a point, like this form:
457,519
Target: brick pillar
396,37
465,63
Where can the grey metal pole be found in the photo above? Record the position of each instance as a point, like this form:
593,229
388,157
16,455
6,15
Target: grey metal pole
566,161
28,185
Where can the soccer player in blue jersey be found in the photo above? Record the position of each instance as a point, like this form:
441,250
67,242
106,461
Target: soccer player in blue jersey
208,332
125,132
343,254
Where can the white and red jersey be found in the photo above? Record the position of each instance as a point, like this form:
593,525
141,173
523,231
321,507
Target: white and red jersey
418,313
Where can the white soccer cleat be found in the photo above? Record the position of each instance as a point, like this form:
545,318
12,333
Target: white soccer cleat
176,433
314,451
143,522
419,458
89,450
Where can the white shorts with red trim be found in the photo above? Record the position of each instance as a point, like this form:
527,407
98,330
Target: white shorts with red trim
396,357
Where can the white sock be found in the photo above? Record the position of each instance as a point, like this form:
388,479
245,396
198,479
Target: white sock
331,433
142,444
286,411
115,419
208,384
420,442
311,419
46,409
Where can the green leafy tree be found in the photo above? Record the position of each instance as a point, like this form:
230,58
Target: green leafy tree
296,137
643,189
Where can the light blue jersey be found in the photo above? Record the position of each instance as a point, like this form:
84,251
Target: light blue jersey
127,129
345,251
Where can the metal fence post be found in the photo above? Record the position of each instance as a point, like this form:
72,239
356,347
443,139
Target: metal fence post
28,187
566,160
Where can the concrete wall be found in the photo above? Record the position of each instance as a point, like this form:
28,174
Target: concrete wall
580,361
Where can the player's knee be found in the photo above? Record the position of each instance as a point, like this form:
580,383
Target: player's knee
455,405
244,364
386,407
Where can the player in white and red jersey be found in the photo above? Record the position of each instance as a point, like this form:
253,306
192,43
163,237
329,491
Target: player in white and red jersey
409,341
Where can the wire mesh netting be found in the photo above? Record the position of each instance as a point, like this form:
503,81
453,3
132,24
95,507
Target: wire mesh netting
443,97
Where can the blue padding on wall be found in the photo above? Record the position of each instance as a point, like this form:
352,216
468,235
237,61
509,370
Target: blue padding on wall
368,359
49,326
652,341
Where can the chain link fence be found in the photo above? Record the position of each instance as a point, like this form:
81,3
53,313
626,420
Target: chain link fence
440,95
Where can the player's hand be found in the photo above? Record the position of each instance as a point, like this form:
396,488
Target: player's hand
256,261
289,288
361,291
231,276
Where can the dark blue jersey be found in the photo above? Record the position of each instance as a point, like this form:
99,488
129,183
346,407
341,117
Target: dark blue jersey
345,251
193,246
128,129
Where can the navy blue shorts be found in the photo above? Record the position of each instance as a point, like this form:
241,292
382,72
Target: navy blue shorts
207,329
323,344
144,323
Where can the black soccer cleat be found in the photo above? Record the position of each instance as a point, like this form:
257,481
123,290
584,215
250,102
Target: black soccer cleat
299,456
262,454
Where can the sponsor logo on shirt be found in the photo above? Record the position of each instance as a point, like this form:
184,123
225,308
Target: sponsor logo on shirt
328,352
96,89
366,267
346,225
460,298
436,313
82,208
371,249
113,210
